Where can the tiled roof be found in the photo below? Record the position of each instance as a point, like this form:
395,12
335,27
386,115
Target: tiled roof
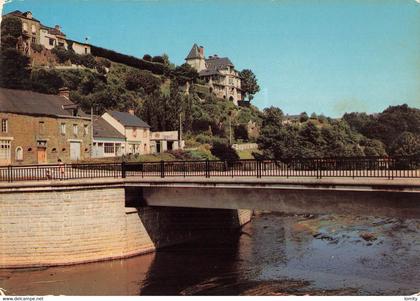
194,53
208,72
126,119
102,129
18,13
32,103
53,31
217,63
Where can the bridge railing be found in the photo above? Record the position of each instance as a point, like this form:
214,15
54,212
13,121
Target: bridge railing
375,167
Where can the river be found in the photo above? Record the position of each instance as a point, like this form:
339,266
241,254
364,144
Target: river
274,254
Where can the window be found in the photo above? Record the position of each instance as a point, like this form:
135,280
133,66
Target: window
75,129
86,50
118,149
41,127
86,129
144,133
109,148
19,153
33,29
4,125
134,132
25,27
33,40
60,44
63,129
51,42
5,150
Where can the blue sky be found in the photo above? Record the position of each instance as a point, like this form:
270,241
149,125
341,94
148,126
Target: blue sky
315,56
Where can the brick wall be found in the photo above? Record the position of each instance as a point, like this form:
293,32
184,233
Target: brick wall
67,226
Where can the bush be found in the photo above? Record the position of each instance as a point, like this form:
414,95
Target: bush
224,152
147,57
158,59
137,79
131,61
37,47
88,61
46,81
62,54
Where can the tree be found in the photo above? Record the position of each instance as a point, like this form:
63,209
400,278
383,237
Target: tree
272,116
46,81
303,117
147,57
241,132
137,79
14,66
224,152
406,144
249,83
158,59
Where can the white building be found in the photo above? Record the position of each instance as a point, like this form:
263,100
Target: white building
165,141
107,141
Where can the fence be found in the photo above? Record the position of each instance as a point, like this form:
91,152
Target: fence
377,167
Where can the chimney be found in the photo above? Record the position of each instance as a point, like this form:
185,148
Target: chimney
64,92
201,50
131,112
28,15
57,27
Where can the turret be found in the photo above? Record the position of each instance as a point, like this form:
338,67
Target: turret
196,58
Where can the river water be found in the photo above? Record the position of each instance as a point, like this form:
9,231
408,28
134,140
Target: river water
274,254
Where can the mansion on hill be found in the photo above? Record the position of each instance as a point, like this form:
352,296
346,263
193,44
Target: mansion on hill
36,33
218,72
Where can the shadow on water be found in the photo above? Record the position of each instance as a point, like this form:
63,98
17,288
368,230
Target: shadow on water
272,255
181,269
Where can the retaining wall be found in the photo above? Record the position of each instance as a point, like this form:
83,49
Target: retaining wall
49,225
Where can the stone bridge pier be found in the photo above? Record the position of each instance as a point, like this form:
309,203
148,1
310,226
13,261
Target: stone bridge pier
78,222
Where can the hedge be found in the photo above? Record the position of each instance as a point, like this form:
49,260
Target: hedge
156,68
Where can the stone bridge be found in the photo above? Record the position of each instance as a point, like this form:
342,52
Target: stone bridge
73,221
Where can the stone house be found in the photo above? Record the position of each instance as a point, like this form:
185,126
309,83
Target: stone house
135,131
37,128
218,72
107,141
35,33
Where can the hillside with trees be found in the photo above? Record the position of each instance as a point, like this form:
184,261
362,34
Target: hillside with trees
164,95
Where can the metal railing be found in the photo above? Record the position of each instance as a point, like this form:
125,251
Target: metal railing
374,167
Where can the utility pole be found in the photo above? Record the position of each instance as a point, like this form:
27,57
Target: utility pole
180,131
230,128
91,132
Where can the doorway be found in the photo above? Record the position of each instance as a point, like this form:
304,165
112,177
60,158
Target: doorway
41,155
74,151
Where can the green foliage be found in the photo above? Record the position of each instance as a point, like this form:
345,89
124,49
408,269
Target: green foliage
14,67
303,117
387,126
289,141
249,83
37,47
224,152
140,79
11,30
158,59
156,68
15,70
241,132
406,144
184,73
62,54
46,81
